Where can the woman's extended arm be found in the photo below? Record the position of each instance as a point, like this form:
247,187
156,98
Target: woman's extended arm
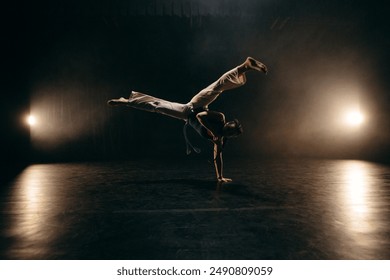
213,122
218,161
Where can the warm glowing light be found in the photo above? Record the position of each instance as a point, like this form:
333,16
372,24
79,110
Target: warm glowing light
31,120
354,118
356,185
36,199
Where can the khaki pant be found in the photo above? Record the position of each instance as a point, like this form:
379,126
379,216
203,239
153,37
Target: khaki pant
230,80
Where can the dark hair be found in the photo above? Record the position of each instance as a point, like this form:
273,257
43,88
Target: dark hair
232,128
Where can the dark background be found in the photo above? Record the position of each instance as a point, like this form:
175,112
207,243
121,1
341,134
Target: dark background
62,60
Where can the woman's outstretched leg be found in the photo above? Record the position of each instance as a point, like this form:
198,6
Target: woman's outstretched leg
153,104
230,80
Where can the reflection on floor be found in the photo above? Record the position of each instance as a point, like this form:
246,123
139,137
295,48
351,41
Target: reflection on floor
156,210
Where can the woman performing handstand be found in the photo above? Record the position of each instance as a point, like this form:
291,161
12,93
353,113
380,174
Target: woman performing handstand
211,125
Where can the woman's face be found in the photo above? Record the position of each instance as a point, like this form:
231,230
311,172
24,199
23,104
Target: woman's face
232,129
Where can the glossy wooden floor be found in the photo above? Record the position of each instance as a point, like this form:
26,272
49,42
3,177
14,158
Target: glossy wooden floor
175,210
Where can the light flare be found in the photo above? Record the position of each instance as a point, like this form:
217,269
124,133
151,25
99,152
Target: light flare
354,118
31,120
